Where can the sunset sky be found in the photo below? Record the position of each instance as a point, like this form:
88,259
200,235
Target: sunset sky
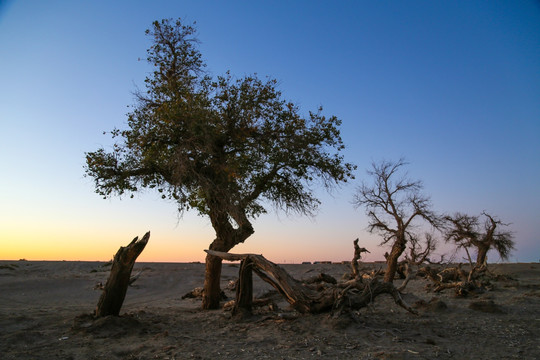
452,86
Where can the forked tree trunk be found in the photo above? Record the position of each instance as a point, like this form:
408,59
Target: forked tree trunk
115,289
226,238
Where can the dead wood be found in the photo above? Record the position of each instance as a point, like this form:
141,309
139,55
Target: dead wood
353,295
461,288
452,275
429,273
462,281
135,277
321,278
374,273
418,254
410,274
114,291
244,289
401,270
257,303
198,292
357,256
195,293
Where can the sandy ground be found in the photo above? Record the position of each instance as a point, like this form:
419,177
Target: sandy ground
45,307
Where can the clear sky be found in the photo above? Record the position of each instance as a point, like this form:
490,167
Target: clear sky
452,86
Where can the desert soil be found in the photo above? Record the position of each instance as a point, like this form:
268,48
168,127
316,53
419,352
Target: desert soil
45,312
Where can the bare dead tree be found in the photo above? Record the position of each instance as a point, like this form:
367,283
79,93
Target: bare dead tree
467,232
418,254
392,204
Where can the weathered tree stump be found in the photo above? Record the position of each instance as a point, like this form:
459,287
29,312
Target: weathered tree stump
244,290
357,256
115,289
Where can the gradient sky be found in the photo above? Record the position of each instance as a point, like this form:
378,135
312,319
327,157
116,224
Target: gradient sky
452,86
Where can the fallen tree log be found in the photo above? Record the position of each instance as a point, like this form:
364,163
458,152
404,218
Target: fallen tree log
114,291
462,281
353,294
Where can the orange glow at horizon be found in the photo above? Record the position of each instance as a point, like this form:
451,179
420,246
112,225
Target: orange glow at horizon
167,248
281,240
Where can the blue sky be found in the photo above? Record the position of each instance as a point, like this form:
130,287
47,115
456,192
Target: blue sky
454,87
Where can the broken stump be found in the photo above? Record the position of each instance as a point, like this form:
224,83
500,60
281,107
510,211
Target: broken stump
115,289
244,290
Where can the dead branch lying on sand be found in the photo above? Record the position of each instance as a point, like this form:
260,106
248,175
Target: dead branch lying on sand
462,281
198,292
352,294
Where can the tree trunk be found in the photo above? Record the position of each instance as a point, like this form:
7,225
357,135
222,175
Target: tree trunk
226,238
212,278
481,257
114,293
392,260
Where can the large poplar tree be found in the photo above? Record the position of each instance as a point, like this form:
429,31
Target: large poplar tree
225,147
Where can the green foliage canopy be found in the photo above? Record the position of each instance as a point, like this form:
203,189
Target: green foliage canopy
219,145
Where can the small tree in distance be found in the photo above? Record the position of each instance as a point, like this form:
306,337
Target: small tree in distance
467,232
393,203
225,148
